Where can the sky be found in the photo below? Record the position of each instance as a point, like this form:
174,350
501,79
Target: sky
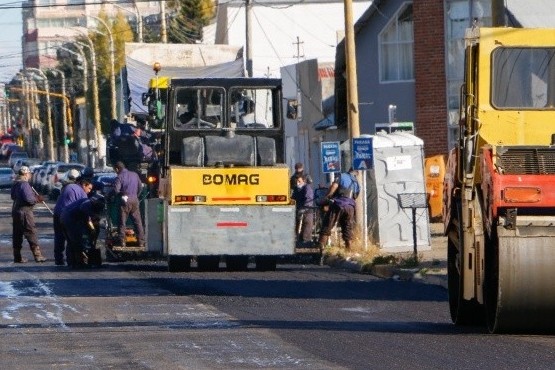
10,39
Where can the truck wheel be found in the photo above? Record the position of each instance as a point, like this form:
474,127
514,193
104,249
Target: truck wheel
266,263
179,263
236,263
208,263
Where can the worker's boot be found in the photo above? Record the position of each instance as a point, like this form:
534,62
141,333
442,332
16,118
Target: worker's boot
322,243
17,256
37,254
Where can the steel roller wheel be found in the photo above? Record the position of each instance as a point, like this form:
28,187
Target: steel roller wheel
492,282
520,280
463,312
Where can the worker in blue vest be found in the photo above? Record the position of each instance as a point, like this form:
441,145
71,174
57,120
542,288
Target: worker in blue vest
341,196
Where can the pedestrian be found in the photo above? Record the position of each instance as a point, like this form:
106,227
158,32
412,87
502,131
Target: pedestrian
72,191
341,195
76,220
303,194
299,171
127,188
24,198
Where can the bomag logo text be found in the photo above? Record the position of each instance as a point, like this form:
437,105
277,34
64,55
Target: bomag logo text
235,179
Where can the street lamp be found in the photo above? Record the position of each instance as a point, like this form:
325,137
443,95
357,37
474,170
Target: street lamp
96,104
64,113
96,111
112,64
25,107
85,88
48,111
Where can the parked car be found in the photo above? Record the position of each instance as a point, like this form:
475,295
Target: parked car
9,148
103,182
7,139
15,156
29,162
6,177
36,176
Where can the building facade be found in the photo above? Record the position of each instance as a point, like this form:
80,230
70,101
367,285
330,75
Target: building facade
47,24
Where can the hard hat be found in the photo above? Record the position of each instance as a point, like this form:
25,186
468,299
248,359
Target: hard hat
23,170
73,174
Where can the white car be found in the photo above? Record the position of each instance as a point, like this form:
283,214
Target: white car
15,156
29,162
6,177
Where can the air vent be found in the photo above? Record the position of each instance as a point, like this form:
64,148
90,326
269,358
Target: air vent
527,161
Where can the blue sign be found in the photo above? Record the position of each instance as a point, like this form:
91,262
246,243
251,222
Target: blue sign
331,156
363,156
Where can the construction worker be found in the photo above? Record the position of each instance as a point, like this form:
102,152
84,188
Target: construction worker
299,171
303,194
77,222
341,195
70,193
127,187
24,198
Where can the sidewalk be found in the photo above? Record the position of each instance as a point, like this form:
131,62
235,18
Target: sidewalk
432,266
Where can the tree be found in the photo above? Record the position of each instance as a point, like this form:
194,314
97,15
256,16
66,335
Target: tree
192,16
121,33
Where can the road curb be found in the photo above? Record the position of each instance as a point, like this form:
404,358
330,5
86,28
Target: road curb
422,275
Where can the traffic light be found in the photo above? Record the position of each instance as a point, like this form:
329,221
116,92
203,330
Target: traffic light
67,140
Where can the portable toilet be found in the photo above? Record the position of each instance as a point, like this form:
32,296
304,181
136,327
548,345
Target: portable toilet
397,199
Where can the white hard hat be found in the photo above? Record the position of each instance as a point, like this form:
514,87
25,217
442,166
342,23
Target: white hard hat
23,170
73,174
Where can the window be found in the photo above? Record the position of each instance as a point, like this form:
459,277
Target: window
251,108
396,48
521,78
199,108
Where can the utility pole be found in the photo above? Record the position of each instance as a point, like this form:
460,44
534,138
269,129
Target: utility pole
163,28
352,95
248,33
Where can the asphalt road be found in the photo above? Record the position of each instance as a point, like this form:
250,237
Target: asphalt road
136,315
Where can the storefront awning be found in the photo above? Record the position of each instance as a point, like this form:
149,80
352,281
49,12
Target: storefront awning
326,123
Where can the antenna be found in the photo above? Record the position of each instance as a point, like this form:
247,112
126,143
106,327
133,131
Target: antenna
298,43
